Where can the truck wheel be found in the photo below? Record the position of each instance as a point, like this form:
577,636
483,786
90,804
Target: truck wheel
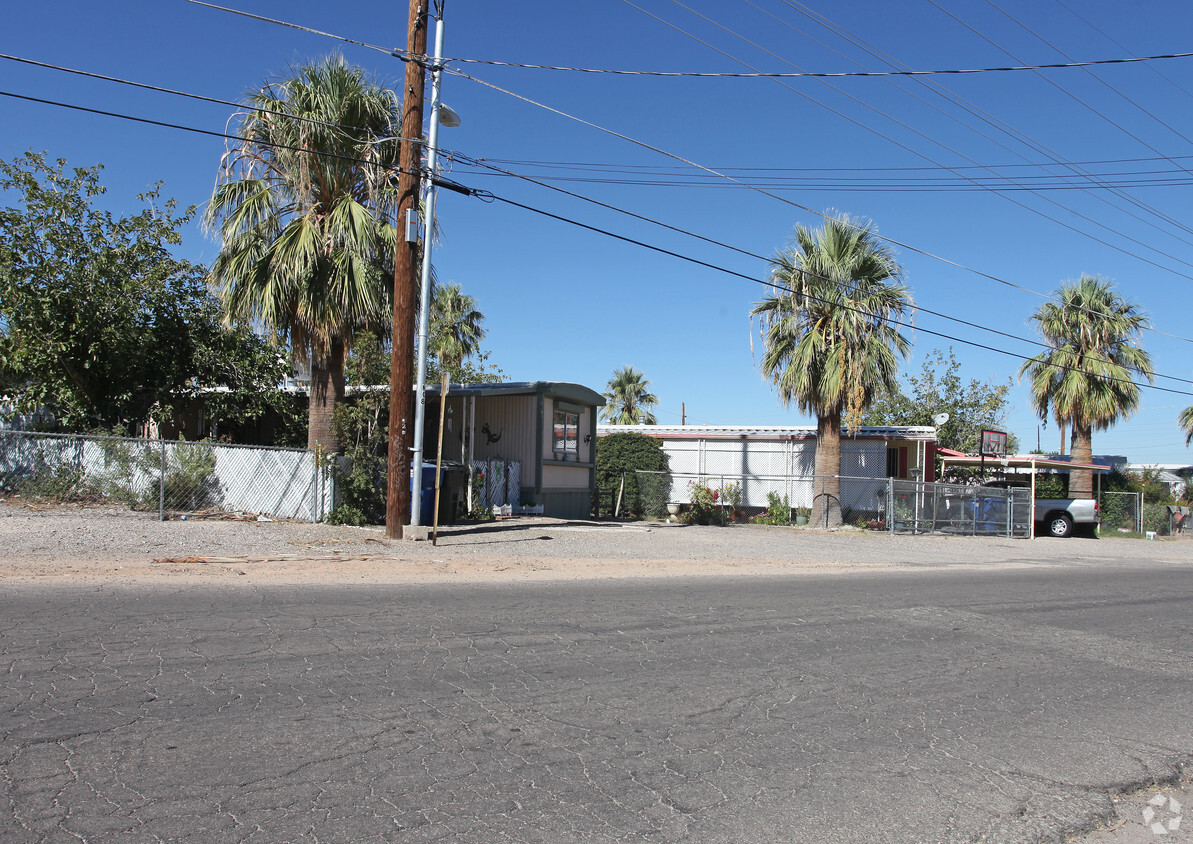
1060,524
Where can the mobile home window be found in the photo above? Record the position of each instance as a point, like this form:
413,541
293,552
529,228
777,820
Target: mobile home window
567,428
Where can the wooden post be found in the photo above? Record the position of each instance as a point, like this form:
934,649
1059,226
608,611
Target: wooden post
406,269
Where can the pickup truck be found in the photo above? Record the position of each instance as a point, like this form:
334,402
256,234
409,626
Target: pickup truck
1059,516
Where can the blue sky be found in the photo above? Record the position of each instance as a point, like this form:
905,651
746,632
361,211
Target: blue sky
563,303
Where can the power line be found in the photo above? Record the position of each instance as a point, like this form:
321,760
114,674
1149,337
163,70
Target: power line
402,54
773,285
980,114
396,53
925,136
192,129
789,202
478,162
807,74
485,195
177,93
405,57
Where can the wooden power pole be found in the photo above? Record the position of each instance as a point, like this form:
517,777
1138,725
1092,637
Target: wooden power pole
406,272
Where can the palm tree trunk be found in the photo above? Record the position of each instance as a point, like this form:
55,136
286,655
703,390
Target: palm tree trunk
826,495
327,389
1081,481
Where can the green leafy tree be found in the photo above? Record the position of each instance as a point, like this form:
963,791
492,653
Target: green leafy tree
831,338
1186,422
972,406
99,323
1084,378
305,207
628,399
639,461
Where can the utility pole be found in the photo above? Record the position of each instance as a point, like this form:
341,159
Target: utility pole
406,269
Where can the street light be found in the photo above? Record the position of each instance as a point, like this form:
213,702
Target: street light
440,114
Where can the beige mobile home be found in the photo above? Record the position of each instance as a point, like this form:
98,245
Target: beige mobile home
534,443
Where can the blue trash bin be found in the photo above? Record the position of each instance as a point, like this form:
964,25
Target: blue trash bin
426,493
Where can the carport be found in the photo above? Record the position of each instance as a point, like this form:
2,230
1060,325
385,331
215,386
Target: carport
1016,463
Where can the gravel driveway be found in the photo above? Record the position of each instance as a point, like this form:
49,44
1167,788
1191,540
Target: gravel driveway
110,544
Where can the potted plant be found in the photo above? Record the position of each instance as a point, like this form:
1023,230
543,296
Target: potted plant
802,514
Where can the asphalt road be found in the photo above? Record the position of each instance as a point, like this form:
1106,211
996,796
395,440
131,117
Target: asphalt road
901,707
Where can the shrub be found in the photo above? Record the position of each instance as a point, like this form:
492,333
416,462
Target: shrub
1156,518
632,456
1052,486
778,511
704,509
361,487
346,514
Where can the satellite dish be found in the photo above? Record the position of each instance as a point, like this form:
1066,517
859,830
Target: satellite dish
939,419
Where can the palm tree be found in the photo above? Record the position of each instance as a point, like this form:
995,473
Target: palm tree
305,210
456,331
831,337
629,399
1084,377
1186,422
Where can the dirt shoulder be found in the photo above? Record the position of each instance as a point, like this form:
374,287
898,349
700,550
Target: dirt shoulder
88,545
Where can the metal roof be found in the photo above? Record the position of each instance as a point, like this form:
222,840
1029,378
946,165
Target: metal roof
1018,461
769,431
560,389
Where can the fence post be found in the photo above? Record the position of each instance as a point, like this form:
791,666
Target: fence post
161,486
890,510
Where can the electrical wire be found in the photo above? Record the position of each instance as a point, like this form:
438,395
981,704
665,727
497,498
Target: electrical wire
406,57
1118,125
488,196
177,93
244,106
192,129
882,114
773,285
477,162
981,115
398,54
807,74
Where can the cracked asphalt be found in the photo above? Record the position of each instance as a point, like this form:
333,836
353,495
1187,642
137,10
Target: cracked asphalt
882,705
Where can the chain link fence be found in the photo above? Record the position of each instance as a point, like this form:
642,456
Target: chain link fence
659,495
1121,511
914,507
1165,520
175,478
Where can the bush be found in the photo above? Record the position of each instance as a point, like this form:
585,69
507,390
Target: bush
190,478
704,509
1117,511
1156,518
631,456
1052,486
346,514
360,477
778,511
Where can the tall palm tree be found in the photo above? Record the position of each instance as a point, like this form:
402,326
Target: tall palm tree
1186,422
831,337
456,331
628,399
1085,374
305,210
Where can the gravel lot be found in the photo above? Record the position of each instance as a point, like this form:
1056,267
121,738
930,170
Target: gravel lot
113,545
